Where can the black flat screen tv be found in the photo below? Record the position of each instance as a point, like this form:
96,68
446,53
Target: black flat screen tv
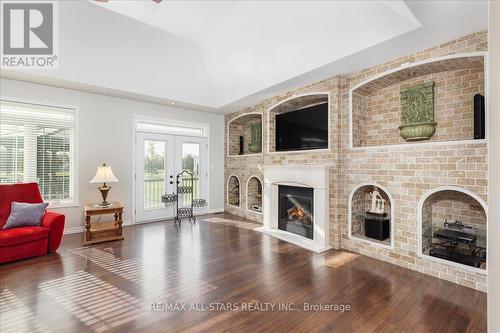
303,129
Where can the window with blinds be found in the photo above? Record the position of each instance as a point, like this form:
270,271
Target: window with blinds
37,144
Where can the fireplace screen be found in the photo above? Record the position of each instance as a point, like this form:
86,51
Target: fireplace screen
296,210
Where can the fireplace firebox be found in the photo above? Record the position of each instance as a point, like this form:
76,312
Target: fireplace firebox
296,210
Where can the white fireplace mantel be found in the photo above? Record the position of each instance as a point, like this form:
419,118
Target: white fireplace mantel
313,176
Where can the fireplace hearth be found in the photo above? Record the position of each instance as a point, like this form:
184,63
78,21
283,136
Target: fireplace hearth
296,210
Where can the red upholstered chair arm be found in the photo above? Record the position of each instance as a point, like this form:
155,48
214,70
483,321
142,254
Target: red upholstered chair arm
55,222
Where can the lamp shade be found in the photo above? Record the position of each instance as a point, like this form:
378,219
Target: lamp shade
104,174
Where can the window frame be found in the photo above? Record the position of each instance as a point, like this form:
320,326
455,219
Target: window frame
172,123
73,202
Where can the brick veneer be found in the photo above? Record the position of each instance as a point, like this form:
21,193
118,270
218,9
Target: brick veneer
252,165
359,114
407,171
234,191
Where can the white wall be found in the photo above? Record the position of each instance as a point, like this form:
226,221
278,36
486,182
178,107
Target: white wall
105,134
494,167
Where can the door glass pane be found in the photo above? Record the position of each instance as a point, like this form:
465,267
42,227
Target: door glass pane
191,163
154,173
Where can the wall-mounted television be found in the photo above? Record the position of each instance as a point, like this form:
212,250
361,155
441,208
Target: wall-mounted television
303,129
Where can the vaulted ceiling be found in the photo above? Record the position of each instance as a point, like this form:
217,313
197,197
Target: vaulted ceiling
220,56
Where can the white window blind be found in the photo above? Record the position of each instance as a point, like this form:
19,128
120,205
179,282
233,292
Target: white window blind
37,144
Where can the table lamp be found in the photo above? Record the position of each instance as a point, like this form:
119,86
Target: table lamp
104,175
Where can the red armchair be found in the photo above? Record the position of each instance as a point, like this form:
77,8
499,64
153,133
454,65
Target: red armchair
25,242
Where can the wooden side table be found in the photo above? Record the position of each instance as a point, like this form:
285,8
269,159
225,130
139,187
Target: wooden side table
103,231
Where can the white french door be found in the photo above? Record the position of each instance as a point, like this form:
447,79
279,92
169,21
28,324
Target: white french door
154,165
191,155
159,158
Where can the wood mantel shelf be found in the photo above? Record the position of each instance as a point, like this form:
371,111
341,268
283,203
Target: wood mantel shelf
103,231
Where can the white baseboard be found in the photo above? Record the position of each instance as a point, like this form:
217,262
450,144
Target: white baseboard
209,211
151,221
76,230
216,210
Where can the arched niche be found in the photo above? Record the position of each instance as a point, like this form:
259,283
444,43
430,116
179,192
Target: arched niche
248,128
291,104
359,204
375,105
449,204
233,191
254,194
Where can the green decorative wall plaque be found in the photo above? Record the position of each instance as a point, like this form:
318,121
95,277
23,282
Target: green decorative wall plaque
256,137
417,112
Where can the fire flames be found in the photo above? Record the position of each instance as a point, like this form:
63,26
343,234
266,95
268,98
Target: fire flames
296,213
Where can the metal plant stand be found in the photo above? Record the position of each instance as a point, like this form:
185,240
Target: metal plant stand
181,191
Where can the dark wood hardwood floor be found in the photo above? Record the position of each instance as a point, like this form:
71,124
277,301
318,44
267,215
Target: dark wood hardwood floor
233,278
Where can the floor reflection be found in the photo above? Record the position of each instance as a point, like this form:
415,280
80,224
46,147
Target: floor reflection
232,222
97,304
129,269
341,259
16,317
151,274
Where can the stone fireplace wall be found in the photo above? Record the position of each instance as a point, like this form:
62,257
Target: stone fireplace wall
247,166
407,170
